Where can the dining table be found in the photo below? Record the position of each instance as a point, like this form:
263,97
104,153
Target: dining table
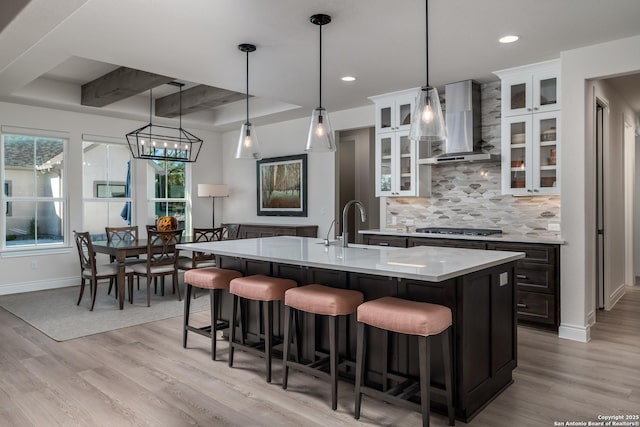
121,249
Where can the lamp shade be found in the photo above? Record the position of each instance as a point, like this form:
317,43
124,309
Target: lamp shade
248,147
213,190
427,122
320,137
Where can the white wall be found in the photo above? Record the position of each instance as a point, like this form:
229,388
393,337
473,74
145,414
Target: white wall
285,139
61,269
578,177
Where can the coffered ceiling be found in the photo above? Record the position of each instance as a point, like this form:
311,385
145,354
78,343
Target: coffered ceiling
50,49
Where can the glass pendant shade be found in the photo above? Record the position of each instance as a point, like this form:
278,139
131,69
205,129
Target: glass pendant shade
320,138
427,122
248,147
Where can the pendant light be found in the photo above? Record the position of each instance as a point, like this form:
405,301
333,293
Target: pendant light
157,142
320,138
248,147
427,123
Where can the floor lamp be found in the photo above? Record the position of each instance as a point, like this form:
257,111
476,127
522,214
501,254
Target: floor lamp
213,191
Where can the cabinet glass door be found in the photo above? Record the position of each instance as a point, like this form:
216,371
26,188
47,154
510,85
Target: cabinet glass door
546,136
404,109
406,164
386,159
384,118
545,92
518,97
519,137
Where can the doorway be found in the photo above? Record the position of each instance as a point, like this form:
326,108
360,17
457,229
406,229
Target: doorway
355,163
599,139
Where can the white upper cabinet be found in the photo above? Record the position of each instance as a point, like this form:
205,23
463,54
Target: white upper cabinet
393,110
530,89
397,172
531,129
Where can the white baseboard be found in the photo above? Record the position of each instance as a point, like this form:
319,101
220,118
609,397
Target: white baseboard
616,295
574,333
591,318
39,285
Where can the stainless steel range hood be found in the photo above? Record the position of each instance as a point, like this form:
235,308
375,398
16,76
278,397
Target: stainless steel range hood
462,103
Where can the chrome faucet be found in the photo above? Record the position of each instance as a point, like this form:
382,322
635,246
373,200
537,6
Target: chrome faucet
345,211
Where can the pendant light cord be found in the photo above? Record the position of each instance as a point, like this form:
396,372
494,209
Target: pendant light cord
320,79
247,86
426,19
150,105
180,120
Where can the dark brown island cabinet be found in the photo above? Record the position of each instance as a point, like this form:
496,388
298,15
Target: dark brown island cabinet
537,275
485,336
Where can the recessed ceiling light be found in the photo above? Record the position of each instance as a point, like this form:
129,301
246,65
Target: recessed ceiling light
508,39
348,79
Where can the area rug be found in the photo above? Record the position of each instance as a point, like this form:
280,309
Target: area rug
55,313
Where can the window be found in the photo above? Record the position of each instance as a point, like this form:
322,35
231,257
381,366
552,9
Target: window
34,191
167,190
106,186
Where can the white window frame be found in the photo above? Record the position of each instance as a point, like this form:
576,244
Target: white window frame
120,142
186,199
35,248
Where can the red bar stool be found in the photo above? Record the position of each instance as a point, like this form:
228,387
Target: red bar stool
325,301
410,318
264,289
214,279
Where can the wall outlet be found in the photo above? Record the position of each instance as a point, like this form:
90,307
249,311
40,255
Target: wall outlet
553,226
34,264
394,220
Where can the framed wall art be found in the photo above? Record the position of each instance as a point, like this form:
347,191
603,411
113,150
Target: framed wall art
282,186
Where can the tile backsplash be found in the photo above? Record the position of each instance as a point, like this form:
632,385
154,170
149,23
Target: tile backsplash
469,194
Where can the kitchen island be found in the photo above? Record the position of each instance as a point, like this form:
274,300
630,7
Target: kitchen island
477,285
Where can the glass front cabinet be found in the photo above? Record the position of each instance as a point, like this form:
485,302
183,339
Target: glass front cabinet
397,172
395,165
531,129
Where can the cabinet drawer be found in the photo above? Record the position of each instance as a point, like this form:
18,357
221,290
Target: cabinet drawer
531,276
536,307
534,252
449,243
395,241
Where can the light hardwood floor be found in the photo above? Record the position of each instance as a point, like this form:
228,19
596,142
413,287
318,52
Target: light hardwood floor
142,376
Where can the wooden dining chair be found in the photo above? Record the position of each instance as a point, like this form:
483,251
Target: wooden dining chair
201,259
89,270
162,259
230,231
121,234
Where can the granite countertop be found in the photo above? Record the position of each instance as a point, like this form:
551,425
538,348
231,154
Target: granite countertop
504,237
433,264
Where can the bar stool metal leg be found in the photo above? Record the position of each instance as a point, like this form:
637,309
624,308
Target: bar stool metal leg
187,306
333,359
360,365
447,357
285,348
425,378
268,337
232,332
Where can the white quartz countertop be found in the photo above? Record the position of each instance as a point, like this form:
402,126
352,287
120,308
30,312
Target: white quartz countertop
433,264
504,237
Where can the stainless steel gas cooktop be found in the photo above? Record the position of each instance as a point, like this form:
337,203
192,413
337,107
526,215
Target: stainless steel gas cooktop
462,231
